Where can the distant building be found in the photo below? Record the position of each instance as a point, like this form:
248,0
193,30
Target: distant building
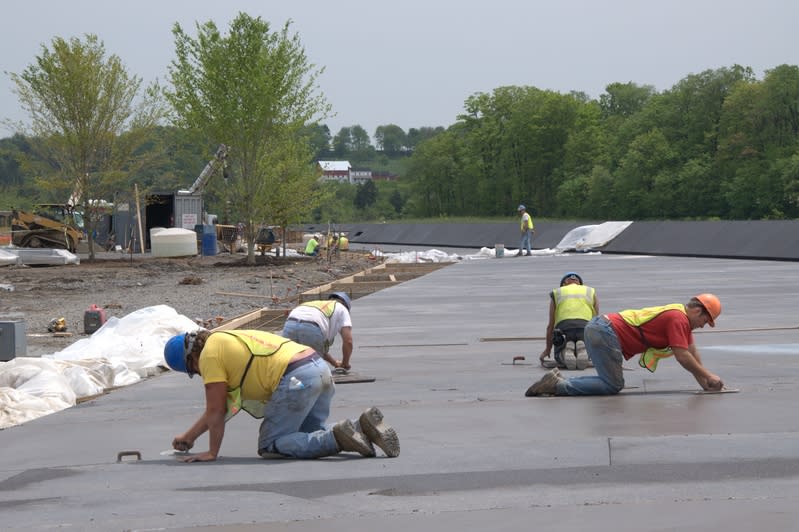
384,176
336,171
359,177
343,172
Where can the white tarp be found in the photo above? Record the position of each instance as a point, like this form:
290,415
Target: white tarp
14,255
121,352
587,237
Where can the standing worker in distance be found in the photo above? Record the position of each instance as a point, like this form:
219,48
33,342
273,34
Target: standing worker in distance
654,332
343,242
571,306
285,383
317,323
527,229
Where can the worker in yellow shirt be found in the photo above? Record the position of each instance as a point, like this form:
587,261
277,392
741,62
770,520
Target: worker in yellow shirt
285,383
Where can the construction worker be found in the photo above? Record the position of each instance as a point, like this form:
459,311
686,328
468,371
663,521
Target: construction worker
343,242
285,383
571,306
654,332
526,227
312,246
317,323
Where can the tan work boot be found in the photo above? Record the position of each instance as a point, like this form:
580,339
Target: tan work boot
547,385
379,433
349,438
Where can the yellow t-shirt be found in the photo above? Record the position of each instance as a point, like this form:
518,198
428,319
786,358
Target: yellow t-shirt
224,358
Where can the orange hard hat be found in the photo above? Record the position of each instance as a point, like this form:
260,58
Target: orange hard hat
712,306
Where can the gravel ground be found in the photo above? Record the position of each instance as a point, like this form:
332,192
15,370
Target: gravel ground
204,289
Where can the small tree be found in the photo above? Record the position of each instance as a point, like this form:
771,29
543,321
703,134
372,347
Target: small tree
254,90
84,118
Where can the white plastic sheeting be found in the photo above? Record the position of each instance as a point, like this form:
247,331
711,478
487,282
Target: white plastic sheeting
587,237
14,255
121,352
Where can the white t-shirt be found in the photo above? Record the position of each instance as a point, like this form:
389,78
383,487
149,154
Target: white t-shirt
330,328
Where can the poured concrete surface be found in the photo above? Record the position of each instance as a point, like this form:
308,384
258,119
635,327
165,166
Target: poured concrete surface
476,454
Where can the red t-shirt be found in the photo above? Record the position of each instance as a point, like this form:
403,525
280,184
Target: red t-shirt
668,329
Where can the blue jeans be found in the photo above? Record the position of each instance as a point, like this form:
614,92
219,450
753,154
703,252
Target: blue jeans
295,416
306,334
527,237
603,347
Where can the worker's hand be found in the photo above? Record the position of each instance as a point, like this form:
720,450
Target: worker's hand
544,354
713,383
182,443
202,457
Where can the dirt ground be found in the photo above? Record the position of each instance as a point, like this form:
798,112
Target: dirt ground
205,289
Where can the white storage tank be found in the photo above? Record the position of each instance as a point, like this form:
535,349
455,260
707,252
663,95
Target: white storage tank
172,242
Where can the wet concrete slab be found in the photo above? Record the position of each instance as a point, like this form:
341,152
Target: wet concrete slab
476,453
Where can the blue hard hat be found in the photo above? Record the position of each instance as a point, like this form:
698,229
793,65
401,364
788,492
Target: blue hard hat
175,354
344,298
571,275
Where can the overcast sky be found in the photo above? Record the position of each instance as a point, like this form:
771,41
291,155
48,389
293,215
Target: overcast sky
414,62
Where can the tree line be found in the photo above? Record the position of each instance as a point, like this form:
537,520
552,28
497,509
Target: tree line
718,144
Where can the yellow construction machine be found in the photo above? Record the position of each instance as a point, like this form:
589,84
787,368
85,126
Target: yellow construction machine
48,226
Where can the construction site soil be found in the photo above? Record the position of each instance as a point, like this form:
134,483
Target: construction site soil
209,290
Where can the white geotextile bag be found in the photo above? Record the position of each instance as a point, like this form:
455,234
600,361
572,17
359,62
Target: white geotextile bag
17,407
135,341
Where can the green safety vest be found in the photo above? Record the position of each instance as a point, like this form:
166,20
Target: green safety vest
311,246
573,302
649,359
258,348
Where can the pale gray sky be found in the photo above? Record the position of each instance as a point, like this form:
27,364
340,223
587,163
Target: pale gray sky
413,63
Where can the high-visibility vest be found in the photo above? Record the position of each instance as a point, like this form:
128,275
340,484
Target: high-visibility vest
573,302
326,307
649,359
259,345
311,246
343,243
529,224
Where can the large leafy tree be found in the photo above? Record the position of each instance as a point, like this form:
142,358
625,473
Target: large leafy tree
254,90
391,139
88,117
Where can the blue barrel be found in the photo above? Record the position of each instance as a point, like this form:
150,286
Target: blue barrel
209,241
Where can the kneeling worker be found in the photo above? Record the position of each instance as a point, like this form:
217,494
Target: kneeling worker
285,383
571,306
312,246
654,332
316,324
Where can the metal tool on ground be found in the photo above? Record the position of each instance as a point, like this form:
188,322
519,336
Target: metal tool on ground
517,360
343,376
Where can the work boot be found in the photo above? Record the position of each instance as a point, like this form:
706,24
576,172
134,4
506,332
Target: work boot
569,357
582,355
547,385
349,438
379,433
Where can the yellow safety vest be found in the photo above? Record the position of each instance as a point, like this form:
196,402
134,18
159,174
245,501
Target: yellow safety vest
326,307
259,346
649,359
573,302
311,246
529,222
343,243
